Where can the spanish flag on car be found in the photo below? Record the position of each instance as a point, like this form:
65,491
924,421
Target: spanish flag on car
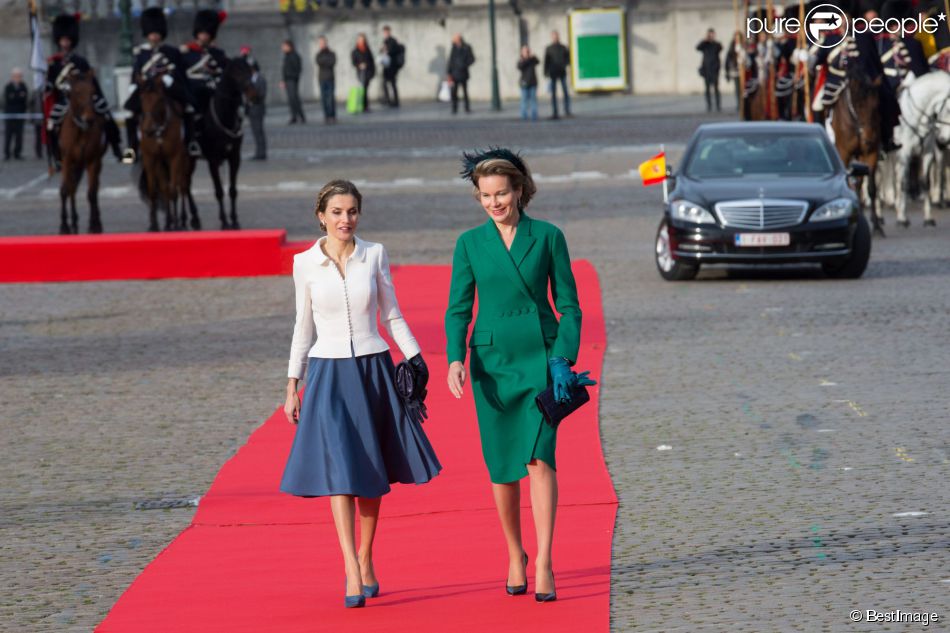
653,171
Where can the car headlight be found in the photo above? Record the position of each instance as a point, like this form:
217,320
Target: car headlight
691,212
834,210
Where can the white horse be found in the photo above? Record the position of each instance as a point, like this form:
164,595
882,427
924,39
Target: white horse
936,160
925,126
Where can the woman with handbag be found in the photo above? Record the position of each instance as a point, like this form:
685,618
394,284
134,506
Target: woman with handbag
518,349
365,66
355,436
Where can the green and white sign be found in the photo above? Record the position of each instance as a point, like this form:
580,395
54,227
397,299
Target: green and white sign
598,49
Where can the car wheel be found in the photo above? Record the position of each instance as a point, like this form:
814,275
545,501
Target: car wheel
853,267
670,269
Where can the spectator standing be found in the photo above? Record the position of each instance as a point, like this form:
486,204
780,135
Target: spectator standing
365,66
527,65
557,58
290,72
326,61
15,99
732,67
460,59
709,69
396,54
256,108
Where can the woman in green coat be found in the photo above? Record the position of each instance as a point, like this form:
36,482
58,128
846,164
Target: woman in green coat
518,348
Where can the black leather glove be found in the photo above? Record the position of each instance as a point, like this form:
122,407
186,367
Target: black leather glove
421,370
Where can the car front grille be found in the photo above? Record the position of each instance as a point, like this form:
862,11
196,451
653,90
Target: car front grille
761,213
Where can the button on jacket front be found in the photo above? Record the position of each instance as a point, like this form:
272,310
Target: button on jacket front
340,311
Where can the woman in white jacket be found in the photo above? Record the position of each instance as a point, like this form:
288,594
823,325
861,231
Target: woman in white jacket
354,435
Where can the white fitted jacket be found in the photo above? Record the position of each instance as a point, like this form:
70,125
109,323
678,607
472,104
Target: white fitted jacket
338,311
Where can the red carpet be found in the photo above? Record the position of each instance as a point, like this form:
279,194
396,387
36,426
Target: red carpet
146,255
257,560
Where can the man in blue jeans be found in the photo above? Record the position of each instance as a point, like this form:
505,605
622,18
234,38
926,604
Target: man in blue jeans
557,58
326,60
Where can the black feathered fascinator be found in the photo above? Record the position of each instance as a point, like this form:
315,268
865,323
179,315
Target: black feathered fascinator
471,161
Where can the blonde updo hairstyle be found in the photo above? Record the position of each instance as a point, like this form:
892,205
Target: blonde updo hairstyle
518,180
336,188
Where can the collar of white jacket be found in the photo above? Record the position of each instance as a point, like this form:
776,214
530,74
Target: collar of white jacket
359,253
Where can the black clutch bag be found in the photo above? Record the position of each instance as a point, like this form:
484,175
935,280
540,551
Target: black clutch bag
554,411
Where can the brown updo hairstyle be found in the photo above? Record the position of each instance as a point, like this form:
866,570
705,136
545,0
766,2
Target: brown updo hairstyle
336,188
502,167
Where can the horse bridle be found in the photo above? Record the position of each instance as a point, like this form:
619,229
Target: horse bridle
78,121
159,132
854,114
236,133
933,120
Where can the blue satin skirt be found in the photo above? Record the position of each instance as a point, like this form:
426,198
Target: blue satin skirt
354,436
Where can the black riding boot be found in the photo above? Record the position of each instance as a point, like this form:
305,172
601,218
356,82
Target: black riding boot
191,141
114,137
53,141
131,154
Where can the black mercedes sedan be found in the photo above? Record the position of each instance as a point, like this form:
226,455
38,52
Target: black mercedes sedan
762,193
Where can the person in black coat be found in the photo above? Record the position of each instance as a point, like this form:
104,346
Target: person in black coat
557,58
15,99
709,69
290,81
396,54
256,108
460,59
326,75
365,66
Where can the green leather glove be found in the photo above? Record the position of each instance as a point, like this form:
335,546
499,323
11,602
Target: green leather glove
582,379
562,377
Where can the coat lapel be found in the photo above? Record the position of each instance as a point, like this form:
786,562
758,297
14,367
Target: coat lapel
501,256
524,241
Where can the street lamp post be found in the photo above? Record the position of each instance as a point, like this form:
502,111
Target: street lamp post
125,33
123,67
495,97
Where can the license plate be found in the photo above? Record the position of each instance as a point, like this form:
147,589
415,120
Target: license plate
763,239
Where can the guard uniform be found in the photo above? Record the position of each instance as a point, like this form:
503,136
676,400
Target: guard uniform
204,62
56,101
164,60
900,56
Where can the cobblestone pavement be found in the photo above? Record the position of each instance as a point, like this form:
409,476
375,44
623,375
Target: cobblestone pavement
805,419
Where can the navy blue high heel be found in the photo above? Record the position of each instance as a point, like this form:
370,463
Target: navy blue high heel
371,591
546,597
354,602
518,590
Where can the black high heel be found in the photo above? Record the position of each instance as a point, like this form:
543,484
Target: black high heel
546,597
519,590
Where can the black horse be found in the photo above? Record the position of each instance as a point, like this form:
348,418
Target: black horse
220,135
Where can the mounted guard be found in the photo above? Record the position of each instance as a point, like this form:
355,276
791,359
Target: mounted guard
204,62
155,58
56,99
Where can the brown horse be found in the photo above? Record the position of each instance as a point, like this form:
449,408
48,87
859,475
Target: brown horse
82,143
856,122
165,163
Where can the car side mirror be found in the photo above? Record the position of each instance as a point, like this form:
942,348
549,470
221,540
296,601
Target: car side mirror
670,175
859,169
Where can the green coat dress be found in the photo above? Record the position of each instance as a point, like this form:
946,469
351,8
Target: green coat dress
515,332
